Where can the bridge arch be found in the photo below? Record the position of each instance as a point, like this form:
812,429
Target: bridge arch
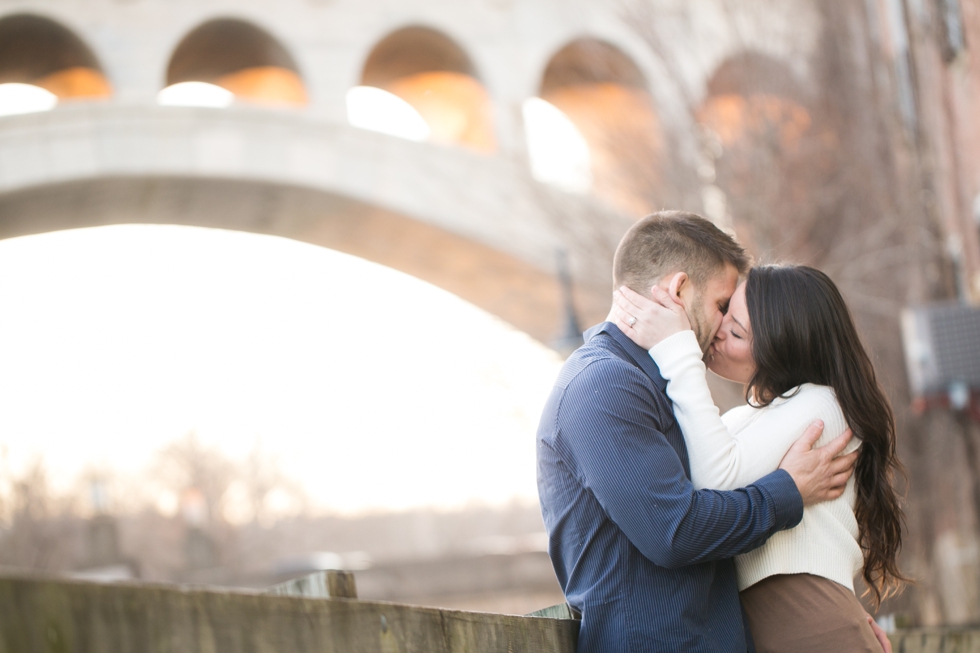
772,149
433,73
240,57
501,284
42,52
751,93
754,73
605,94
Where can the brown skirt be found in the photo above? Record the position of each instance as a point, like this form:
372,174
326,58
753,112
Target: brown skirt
800,613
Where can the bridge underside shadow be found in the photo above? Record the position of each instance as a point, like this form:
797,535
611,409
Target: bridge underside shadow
505,286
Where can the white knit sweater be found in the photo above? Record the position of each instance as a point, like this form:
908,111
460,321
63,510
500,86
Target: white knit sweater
737,449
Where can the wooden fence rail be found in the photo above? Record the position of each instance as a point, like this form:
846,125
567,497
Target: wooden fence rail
58,616
936,640
55,616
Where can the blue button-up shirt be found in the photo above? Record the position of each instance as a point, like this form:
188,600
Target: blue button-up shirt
638,551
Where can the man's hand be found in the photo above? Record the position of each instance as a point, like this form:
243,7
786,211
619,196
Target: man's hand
820,474
880,635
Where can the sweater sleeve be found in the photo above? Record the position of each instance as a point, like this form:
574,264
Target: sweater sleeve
718,459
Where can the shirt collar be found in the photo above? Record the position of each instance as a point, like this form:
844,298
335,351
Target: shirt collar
639,355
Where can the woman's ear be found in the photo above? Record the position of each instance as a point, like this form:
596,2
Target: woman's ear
677,284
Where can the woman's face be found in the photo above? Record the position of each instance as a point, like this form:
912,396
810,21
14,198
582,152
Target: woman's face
730,354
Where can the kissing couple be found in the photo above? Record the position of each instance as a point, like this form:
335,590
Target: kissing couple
673,529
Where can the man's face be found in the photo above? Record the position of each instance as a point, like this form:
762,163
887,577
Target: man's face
706,306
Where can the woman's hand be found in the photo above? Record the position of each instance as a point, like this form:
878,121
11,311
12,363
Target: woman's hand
647,322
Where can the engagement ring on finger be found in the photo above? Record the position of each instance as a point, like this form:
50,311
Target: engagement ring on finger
631,321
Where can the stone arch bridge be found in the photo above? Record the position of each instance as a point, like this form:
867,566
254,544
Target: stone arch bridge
461,210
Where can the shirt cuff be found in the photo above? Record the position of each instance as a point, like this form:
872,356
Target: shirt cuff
673,348
784,496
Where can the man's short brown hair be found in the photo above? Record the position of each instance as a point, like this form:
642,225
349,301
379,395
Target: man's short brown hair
674,241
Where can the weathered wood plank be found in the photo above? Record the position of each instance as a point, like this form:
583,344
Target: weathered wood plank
341,584
55,616
319,585
560,611
936,640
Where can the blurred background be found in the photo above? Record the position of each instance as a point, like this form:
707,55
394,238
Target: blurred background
284,285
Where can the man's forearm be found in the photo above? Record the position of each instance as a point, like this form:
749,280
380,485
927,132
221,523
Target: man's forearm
707,531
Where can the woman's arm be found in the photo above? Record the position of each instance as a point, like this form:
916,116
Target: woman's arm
718,459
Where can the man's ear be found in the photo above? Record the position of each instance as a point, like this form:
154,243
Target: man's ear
677,284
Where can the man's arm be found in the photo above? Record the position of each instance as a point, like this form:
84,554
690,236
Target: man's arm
608,419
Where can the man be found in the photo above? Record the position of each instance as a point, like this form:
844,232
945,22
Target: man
644,557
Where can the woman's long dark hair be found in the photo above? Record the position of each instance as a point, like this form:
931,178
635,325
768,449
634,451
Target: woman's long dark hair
803,332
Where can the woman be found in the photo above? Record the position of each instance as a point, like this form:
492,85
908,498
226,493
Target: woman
789,337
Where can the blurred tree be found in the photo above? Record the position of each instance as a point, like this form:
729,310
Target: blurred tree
199,474
42,530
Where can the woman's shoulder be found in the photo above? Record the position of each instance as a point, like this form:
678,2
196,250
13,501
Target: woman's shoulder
815,401
816,392
802,397
808,393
